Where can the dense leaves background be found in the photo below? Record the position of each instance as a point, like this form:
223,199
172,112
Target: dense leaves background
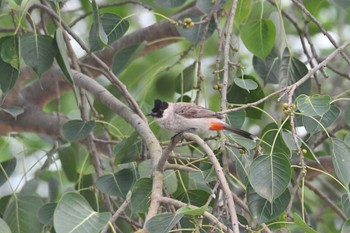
77,153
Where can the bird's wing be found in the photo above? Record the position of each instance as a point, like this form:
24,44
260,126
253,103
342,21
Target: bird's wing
189,110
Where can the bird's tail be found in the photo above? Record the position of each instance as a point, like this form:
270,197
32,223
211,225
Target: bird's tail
240,132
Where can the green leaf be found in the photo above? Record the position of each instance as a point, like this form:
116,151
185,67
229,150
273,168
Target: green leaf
272,141
68,160
97,36
259,37
347,116
170,3
117,184
289,140
200,180
244,8
127,149
247,143
206,6
186,210
8,76
170,181
268,70
45,213
19,214
195,197
140,195
6,170
242,163
14,111
302,225
10,51
312,126
262,210
269,175
195,34
62,56
145,168
76,130
237,95
74,214
38,52
316,105
4,228
114,26
123,57
341,160
236,118
346,227
345,200
163,223
246,84
292,70
184,81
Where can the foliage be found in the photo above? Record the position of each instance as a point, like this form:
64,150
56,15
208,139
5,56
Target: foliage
78,155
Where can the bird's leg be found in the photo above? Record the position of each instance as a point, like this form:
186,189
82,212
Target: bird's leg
180,134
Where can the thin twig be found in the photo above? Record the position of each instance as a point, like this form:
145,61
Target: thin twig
322,29
330,203
116,215
206,214
221,177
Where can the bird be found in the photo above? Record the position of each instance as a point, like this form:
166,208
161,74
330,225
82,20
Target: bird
188,117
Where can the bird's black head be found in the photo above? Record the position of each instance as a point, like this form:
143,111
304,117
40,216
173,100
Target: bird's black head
158,109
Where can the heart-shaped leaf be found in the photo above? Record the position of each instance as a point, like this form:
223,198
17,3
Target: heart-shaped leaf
114,26
269,175
259,37
292,70
163,223
246,84
74,214
76,130
317,123
38,52
263,210
341,160
269,69
315,105
117,184
19,214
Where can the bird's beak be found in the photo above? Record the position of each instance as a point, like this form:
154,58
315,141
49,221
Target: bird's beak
150,114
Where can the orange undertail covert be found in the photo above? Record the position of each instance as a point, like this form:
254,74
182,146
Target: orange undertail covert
216,126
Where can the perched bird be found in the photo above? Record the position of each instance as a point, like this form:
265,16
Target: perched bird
188,117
